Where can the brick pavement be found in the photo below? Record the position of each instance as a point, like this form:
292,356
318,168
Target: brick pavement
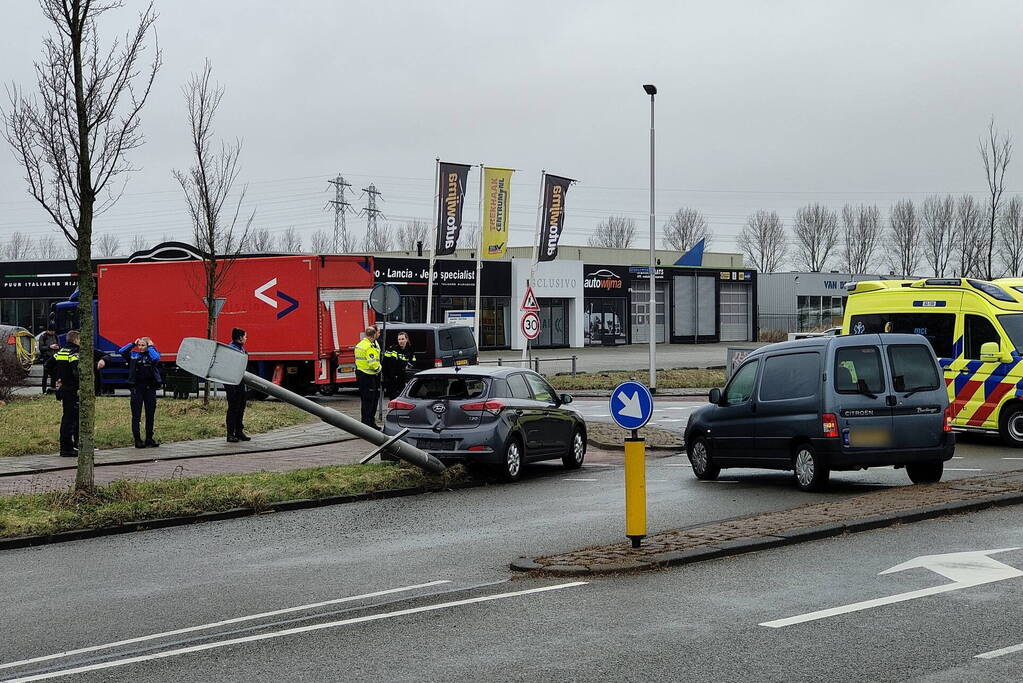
814,515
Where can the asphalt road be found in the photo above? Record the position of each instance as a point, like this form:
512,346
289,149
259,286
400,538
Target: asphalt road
699,619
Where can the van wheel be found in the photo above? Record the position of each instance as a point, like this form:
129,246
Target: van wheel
573,460
925,472
511,469
1010,427
812,473
327,389
699,457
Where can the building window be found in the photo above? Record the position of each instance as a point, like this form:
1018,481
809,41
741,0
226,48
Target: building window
605,322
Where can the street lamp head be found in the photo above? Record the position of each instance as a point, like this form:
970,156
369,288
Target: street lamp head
651,89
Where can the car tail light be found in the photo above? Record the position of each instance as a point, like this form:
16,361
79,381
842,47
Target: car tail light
493,407
948,419
478,448
400,405
438,363
829,423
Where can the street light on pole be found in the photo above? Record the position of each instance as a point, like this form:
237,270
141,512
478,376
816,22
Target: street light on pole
651,90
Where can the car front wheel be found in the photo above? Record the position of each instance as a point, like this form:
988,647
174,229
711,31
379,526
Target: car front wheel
703,465
511,469
925,472
573,460
812,473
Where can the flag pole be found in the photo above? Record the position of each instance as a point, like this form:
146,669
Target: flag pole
479,266
433,249
536,255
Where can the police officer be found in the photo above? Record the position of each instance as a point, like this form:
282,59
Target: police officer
143,378
367,375
398,358
236,395
64,366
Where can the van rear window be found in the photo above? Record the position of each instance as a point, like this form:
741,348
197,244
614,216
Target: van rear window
457,338
913,368
937,327
858,370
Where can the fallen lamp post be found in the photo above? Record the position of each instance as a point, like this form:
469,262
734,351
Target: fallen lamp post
212,360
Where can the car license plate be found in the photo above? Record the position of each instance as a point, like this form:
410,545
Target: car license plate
866,437
462,362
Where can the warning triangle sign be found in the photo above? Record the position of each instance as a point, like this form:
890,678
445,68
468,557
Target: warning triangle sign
529,301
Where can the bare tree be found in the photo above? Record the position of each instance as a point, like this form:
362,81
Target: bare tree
470,237
1010,229
970,237
18,247
260,241
816,233
138,243
996,153
379,239
289,241
937,227
614,232
48,248
685,228
410,233
762,240
207,185
321,242
903,238
861,231
107,245
74,140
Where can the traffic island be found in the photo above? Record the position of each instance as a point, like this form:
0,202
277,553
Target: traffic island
785,527
609,436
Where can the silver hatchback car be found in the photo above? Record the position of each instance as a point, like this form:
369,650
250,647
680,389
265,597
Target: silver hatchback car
501,417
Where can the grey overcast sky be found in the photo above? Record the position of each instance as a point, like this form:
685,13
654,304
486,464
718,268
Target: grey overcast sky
761,104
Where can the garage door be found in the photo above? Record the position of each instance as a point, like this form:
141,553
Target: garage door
735,312
693,306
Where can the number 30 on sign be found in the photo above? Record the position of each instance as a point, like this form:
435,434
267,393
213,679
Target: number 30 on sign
531,325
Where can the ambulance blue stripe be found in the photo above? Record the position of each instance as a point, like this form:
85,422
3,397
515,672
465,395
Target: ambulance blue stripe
963,377
997,375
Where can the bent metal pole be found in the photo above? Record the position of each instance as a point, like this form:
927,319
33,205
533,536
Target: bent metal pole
214,361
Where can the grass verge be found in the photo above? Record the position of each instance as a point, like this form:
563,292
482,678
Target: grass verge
666,379
133,501
31,425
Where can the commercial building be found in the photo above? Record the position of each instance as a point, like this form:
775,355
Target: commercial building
803,302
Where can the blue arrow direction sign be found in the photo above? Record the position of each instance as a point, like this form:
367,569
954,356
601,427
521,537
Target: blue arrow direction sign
631,405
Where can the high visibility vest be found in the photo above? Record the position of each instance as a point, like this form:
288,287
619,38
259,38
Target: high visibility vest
66,355
367,357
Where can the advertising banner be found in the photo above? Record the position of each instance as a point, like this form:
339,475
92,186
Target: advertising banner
496,203
554,190
450,199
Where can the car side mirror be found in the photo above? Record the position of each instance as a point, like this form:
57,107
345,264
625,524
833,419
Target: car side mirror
990,352
565,399
714,396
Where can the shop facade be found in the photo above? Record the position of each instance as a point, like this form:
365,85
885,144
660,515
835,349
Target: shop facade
606,305
804,302
558,286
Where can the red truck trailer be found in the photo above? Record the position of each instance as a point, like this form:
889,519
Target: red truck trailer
303,314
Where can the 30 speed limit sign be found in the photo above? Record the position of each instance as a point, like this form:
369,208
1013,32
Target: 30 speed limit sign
531,325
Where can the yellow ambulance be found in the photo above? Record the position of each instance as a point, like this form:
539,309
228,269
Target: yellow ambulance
976,330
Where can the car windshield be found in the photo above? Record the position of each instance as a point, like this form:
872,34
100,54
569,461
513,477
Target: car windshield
453,387
1013,326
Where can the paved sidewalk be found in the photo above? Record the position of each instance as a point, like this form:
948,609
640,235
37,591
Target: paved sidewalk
816,520
299,436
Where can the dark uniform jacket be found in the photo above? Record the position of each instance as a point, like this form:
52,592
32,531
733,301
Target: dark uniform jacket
142,367
64,366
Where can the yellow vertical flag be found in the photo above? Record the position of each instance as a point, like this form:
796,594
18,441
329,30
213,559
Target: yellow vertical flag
496,204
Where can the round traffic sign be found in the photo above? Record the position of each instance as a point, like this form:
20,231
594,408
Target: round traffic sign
384,298
531,325
631,405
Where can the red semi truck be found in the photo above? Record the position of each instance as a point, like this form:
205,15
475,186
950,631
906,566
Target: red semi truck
303,314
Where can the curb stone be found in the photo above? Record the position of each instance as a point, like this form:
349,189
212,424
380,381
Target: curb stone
788,537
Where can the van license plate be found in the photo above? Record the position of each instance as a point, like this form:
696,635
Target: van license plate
462,362
869,438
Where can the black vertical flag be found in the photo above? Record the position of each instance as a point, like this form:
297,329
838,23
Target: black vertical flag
450,199
554,190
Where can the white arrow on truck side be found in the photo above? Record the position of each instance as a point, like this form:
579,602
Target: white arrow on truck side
263,297
965,569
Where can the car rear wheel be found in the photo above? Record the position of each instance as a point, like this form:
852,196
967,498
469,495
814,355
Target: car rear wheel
812,473
703,465
1011,426
925,472
327,389
511,469
573,460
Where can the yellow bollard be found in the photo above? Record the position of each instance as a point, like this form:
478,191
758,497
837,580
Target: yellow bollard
635,489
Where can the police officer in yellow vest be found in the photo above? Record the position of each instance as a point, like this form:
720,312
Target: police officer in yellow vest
367,375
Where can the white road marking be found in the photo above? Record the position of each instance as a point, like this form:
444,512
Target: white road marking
678,408
1012,458
999,652
290,631
677,464
719,481
957,457
963,469
576,479
226,622
669,419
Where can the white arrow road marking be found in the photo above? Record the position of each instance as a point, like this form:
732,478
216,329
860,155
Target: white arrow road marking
290,631
630,405
999,652
964,569
226,622
263,297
